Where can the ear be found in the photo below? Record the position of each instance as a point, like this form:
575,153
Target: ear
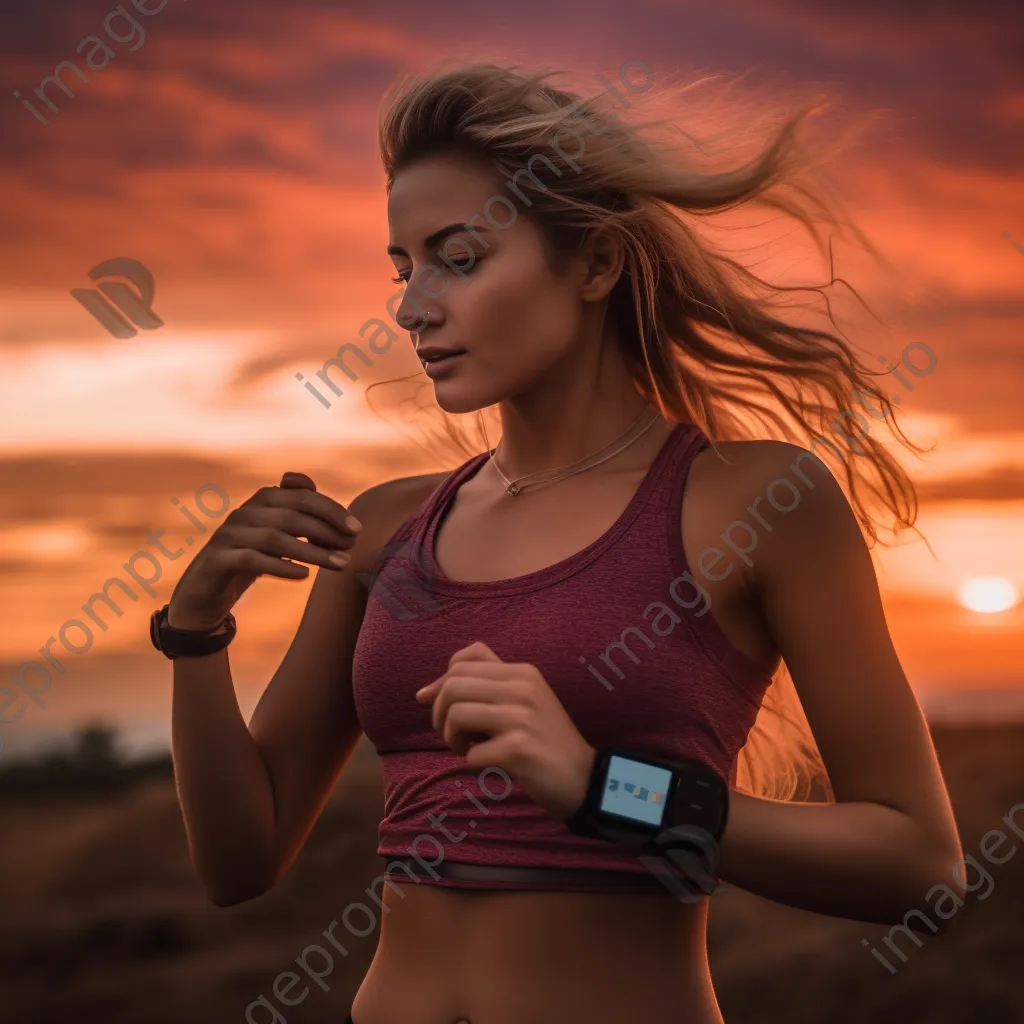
604,257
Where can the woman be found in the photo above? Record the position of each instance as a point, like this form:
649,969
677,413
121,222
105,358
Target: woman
607,576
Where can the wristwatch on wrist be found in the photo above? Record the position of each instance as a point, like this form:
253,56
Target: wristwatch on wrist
632,798
189,643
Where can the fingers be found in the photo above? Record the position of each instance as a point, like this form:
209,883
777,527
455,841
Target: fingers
257,563
473,689
290,479
499,750
476,651
485,669
279,521
297,491
471,722
329,509
314,503
279,544
429,692
302,524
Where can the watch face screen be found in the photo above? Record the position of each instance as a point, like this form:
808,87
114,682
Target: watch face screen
635,790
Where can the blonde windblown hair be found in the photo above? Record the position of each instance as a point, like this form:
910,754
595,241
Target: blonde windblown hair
703,335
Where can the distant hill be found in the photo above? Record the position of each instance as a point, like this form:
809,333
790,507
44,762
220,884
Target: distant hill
92,766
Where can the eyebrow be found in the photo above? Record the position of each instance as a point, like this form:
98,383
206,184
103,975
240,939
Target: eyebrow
437,236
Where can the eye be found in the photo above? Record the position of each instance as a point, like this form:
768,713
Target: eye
469,266
465,268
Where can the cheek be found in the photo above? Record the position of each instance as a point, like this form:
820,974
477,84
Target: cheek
525,305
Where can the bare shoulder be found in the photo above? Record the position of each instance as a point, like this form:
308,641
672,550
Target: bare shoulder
383,507
402,493
780,473
778,497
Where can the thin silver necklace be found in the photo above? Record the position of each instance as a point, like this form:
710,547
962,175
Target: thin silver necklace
513,488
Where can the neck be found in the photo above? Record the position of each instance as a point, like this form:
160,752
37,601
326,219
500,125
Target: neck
558,423
577,409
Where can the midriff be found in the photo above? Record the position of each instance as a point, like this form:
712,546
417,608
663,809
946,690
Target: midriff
450,955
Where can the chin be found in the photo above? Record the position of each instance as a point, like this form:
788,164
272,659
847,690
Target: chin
456,400
457,396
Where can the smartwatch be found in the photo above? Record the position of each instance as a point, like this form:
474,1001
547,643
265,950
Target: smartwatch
189,643
636,799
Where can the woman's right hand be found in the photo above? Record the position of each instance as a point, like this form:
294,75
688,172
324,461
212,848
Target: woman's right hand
261,537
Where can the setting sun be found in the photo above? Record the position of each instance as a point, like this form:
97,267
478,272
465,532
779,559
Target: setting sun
988,594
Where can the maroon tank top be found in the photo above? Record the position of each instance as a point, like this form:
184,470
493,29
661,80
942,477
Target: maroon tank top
621,631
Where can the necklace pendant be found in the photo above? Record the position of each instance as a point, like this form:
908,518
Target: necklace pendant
513,489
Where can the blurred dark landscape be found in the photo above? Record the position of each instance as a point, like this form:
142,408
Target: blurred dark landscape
103,919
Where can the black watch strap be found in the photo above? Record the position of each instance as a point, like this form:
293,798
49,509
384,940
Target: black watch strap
701,801
584,820
189,643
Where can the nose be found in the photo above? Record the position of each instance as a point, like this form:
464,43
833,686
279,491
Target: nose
411,314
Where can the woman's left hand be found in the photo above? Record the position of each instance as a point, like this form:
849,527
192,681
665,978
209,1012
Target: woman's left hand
526,731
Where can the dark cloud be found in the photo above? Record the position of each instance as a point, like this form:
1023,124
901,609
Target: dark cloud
11,566
942,74
946,308
55,486
1005,483
199,153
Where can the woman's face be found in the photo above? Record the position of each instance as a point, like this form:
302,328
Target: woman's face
490,291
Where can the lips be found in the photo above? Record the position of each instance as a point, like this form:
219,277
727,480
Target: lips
433,353
438,365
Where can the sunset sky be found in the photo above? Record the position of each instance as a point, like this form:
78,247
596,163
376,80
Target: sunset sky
233,153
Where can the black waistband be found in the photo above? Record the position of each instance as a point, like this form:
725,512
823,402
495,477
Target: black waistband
491,876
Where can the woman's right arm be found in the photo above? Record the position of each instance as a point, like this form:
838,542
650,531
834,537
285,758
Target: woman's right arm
251,794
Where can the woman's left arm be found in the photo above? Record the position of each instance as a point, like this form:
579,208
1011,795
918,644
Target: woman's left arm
891,835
